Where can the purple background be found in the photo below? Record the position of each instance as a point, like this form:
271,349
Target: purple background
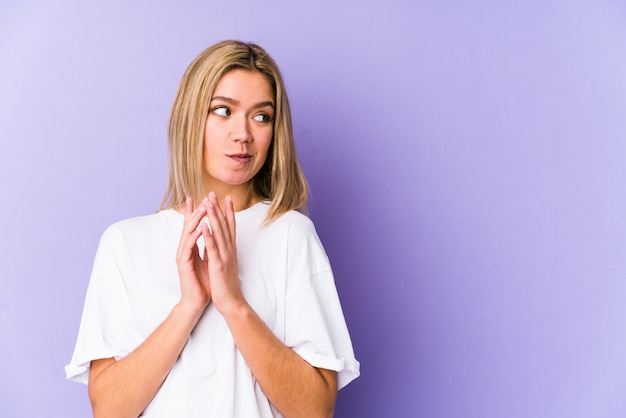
468,167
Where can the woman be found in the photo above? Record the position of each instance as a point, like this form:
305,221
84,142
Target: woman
237,315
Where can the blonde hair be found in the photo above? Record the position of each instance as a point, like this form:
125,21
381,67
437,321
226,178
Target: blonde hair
280,180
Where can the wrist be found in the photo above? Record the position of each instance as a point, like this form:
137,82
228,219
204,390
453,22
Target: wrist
237,311
188,312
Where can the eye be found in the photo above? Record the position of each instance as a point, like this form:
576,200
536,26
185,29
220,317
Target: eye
263,118
221,111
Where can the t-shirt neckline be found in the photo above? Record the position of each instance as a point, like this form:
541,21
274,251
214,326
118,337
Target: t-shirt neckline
240,216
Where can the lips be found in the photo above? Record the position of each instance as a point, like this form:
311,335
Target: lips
240,158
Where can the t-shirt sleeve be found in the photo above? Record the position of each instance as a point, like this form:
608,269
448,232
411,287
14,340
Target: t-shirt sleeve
103,331
315,325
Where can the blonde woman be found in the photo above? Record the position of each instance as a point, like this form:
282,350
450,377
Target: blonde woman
222,304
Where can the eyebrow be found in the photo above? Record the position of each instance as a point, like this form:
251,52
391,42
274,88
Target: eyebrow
236,102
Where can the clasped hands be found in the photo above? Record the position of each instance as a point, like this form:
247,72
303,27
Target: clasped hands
212,277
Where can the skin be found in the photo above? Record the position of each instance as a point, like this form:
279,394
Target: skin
238,134
240,122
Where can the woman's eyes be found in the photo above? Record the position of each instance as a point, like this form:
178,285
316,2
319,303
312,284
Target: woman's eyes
221,111
225,112
262,117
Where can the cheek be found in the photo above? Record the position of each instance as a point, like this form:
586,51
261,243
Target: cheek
214,129
264,151
265,141
212,138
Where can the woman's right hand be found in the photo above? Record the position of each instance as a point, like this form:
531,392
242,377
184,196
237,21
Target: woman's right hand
193,270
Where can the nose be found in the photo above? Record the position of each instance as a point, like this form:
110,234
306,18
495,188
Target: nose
240,129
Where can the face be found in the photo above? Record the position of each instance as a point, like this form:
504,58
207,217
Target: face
238,131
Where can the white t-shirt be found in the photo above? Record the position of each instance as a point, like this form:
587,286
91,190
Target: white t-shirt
284,274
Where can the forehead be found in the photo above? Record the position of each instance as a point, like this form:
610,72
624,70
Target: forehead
244,84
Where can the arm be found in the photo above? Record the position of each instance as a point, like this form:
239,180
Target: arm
124,388
292,385
295,387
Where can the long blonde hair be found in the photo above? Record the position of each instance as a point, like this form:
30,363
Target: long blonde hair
280,180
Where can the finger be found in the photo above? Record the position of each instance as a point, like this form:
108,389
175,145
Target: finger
193,218
190,233
210,247
207,235
230,218
188,207
187,247
218,213
218,229
189,212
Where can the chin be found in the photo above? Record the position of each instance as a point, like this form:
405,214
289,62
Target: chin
237,181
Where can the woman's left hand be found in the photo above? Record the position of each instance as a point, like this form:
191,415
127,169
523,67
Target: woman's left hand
221,248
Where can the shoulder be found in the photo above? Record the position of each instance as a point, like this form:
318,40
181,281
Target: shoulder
293,226
290,221
300,234
295,221
147,226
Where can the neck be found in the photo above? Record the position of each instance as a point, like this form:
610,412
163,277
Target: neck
243,196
